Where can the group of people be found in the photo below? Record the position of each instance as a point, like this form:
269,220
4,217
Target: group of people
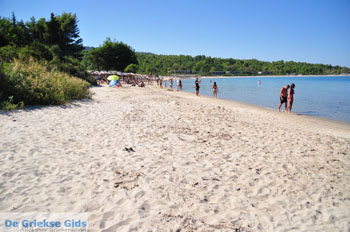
286,98
286,93
215,88
171,82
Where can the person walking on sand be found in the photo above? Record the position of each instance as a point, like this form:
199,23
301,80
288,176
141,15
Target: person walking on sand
180,84
149,77
197,86
290,97
283,98
215,90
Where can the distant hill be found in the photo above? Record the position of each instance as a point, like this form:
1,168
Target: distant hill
203,65
145,53
87,48
206,65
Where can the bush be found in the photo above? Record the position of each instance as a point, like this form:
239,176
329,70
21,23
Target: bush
73,67
42,52
8,53
32,83
9,105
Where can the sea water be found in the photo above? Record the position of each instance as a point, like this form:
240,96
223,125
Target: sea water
323,96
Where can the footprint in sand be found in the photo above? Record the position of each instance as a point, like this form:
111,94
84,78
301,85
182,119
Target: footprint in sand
127,180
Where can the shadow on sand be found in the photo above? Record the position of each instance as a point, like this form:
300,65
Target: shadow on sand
30,108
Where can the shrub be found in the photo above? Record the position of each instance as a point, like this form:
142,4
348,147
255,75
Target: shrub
73,67
32,83
9,105
8,53
42,52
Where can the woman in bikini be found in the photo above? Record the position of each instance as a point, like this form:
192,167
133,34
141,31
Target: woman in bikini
215,90
290,97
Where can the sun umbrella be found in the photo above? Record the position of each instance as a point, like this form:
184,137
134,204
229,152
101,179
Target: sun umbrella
113,78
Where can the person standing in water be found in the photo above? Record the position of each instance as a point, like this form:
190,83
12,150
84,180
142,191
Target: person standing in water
290,97
180,85
215,90
197,86
283,98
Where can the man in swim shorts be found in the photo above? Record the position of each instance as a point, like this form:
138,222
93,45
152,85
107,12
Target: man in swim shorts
283,98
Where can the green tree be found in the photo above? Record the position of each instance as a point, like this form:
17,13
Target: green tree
69,41
4,31
63,31
53,31
113,55
131,68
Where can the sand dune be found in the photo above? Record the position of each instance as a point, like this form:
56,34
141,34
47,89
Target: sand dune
198,164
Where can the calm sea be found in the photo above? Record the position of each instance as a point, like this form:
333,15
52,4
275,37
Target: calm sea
327,97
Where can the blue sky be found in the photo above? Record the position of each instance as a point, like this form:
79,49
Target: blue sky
314,31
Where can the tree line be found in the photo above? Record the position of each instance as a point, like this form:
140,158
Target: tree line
57,41
203,65
40,61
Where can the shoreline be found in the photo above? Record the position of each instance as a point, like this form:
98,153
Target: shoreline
254,76
311,117
344,123
315,120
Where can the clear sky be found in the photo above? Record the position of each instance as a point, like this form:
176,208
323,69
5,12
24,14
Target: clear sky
314,31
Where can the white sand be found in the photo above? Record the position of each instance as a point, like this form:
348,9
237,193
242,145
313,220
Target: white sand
199,164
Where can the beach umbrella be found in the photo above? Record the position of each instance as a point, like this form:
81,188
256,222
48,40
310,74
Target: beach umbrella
113,77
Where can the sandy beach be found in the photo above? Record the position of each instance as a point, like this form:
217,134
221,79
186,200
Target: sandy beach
198,164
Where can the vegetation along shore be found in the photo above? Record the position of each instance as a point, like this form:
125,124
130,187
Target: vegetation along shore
55,44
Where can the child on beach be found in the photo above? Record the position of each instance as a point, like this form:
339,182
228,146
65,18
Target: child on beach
290,97
215,90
